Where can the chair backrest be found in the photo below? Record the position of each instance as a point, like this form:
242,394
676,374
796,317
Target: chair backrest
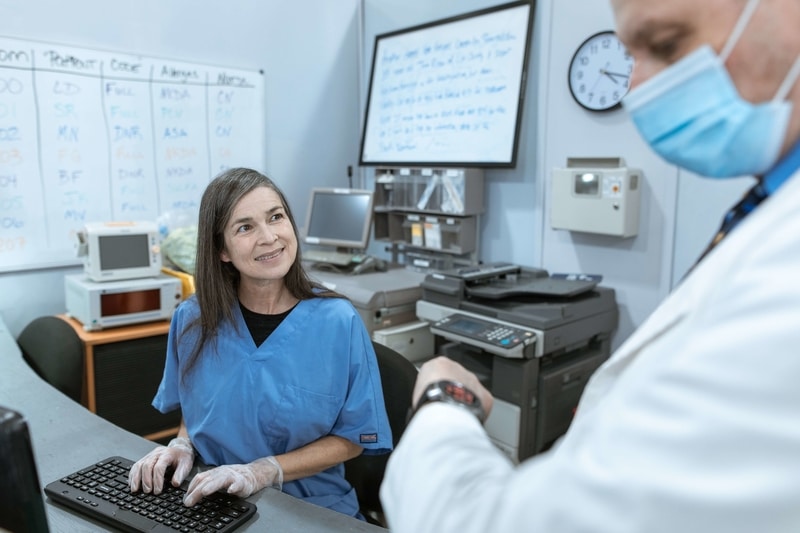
55,352
365,472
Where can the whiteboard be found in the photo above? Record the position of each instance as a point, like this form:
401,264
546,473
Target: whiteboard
89,135
449,92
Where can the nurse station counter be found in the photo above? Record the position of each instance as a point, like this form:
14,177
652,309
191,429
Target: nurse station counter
67,437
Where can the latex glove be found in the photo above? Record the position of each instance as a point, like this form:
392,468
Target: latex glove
239,480
148,472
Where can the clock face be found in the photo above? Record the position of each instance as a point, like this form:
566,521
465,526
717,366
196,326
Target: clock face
600,72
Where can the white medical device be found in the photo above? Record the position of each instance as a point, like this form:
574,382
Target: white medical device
115,251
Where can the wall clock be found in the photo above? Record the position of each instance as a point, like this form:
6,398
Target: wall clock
600,72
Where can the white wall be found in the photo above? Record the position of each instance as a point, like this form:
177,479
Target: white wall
680,212
639,268
308,50
702,204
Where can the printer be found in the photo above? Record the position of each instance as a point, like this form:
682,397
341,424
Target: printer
533,340
383,299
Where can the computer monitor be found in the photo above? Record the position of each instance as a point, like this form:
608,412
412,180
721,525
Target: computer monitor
21,499
341,218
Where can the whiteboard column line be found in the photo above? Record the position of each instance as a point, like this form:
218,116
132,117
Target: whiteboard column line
39,145
111,181
159,208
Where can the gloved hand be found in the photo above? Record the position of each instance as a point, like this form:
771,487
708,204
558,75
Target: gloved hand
148,472
239,480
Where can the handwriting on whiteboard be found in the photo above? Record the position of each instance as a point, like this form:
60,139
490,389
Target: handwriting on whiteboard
92,135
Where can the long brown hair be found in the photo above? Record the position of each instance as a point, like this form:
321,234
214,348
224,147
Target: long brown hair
216,281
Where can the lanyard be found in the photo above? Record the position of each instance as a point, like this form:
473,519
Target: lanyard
782,171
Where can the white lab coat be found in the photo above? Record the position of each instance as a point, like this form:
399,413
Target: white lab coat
693,424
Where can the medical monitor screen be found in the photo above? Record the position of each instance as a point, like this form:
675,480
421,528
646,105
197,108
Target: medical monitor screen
124,251
339,217
450,92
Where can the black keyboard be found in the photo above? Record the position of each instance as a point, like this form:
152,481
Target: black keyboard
100,491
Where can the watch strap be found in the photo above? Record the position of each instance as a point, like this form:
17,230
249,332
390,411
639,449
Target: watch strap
452,392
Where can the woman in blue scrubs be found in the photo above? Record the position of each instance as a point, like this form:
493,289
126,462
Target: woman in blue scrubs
275,376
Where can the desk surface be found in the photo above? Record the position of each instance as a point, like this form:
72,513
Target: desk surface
59,429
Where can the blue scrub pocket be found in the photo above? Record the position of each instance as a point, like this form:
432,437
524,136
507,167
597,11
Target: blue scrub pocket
301,417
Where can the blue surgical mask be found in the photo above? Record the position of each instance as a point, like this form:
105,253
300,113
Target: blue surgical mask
692,115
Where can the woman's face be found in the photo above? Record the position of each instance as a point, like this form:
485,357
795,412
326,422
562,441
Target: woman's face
259,238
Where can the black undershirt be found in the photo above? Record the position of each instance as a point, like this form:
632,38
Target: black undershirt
261,326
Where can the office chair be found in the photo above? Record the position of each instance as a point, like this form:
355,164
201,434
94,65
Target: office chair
55,352
365,472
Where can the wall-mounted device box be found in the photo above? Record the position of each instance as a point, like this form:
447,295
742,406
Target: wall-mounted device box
596,195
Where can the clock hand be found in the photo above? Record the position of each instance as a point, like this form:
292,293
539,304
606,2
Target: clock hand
610,76
601,72
616,74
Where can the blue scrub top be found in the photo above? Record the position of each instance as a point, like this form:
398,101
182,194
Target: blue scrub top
315,375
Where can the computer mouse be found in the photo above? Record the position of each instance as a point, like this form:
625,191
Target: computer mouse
370,264
381,265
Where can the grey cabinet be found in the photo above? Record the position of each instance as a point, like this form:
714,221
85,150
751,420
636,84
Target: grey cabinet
429,216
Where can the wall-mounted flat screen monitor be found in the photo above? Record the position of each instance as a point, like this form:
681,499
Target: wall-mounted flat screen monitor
450,92
339,217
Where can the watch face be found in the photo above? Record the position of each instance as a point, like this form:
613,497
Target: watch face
459,393
600,72
454,393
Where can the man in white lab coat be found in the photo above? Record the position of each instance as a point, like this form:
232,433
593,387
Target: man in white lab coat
693,425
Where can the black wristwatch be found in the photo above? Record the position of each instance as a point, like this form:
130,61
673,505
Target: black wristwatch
451,392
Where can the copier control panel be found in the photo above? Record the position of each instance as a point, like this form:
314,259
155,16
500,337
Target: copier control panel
498,338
